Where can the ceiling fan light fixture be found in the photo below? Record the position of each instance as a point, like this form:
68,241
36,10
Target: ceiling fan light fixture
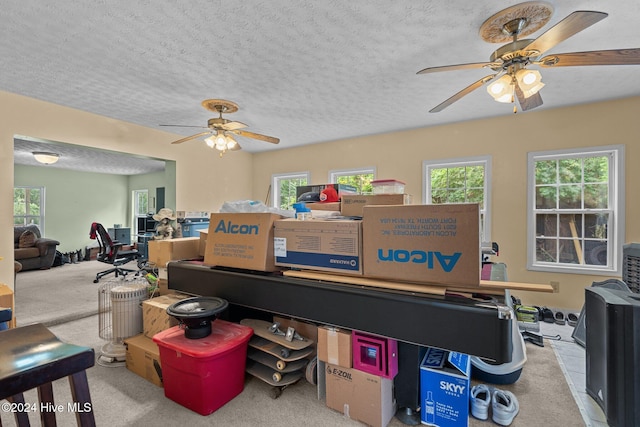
210,141
45,158
501,90
530,81
231,143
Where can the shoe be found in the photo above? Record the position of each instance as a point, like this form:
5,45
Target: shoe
560,319
480,401
572,319
505,407
547,315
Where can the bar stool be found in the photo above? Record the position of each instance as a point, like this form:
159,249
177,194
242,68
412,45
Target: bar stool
33,357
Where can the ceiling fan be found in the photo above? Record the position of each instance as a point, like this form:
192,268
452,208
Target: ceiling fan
220,131
512,79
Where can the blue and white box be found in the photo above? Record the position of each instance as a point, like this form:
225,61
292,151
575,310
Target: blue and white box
444,388
332,245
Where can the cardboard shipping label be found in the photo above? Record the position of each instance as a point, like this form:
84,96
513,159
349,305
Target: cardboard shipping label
435,244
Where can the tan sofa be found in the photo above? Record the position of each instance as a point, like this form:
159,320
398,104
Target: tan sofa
38,256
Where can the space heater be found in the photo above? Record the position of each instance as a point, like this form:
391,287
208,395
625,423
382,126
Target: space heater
631,266
120,316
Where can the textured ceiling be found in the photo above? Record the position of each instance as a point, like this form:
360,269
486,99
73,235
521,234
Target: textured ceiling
303,71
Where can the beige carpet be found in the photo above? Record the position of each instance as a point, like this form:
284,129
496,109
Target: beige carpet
123,399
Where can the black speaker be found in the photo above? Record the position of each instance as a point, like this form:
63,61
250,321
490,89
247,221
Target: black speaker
612,352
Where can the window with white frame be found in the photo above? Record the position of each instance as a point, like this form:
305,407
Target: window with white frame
359,178
28,206
464,180
576,212
140,207
284,188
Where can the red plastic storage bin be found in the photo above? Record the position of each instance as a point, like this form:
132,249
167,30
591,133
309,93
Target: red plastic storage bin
203,374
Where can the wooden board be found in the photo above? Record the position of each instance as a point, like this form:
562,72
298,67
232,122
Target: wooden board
488,286
261,329
277,350
264,373
275,363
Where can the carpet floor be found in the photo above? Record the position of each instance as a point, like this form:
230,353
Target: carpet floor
66,299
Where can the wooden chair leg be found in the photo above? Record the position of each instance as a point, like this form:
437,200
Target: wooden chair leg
82,397
22,418
47,414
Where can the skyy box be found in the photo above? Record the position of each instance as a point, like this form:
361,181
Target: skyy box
326,245
435,244
241,240
444,388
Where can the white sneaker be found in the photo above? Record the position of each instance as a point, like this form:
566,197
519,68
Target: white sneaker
505,407
480,400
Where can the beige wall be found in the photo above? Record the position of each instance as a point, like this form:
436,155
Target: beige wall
507,140
203,180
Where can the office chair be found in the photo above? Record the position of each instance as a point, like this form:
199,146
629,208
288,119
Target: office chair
111,253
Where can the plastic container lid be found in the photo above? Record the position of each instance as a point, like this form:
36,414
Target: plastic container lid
225,336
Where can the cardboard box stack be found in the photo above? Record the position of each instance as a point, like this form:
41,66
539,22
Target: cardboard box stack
143,355
359,395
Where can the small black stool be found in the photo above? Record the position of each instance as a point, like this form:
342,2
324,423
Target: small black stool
32,357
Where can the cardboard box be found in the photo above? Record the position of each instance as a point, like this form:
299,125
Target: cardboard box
154,314
341,189
6,301
360,396
329,206
327,245
143,358
334,346
202,244
352,204
241,240
444,388
163,251
435,244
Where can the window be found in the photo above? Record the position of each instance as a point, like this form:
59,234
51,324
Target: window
28,206
284,188
461,181
359,178
140,207
575,210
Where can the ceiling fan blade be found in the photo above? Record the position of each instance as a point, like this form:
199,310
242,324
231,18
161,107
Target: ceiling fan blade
596,57
529,103
463,92
569,26
233,125
189,138
185,126
469,66
253,135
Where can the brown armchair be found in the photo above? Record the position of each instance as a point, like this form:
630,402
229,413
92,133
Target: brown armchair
39,255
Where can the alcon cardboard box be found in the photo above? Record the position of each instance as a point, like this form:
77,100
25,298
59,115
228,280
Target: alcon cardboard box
435,244
241,240
326,245
143,358
352,204
359,396
444,388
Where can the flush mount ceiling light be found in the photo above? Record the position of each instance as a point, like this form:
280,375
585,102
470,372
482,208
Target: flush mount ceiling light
45,158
